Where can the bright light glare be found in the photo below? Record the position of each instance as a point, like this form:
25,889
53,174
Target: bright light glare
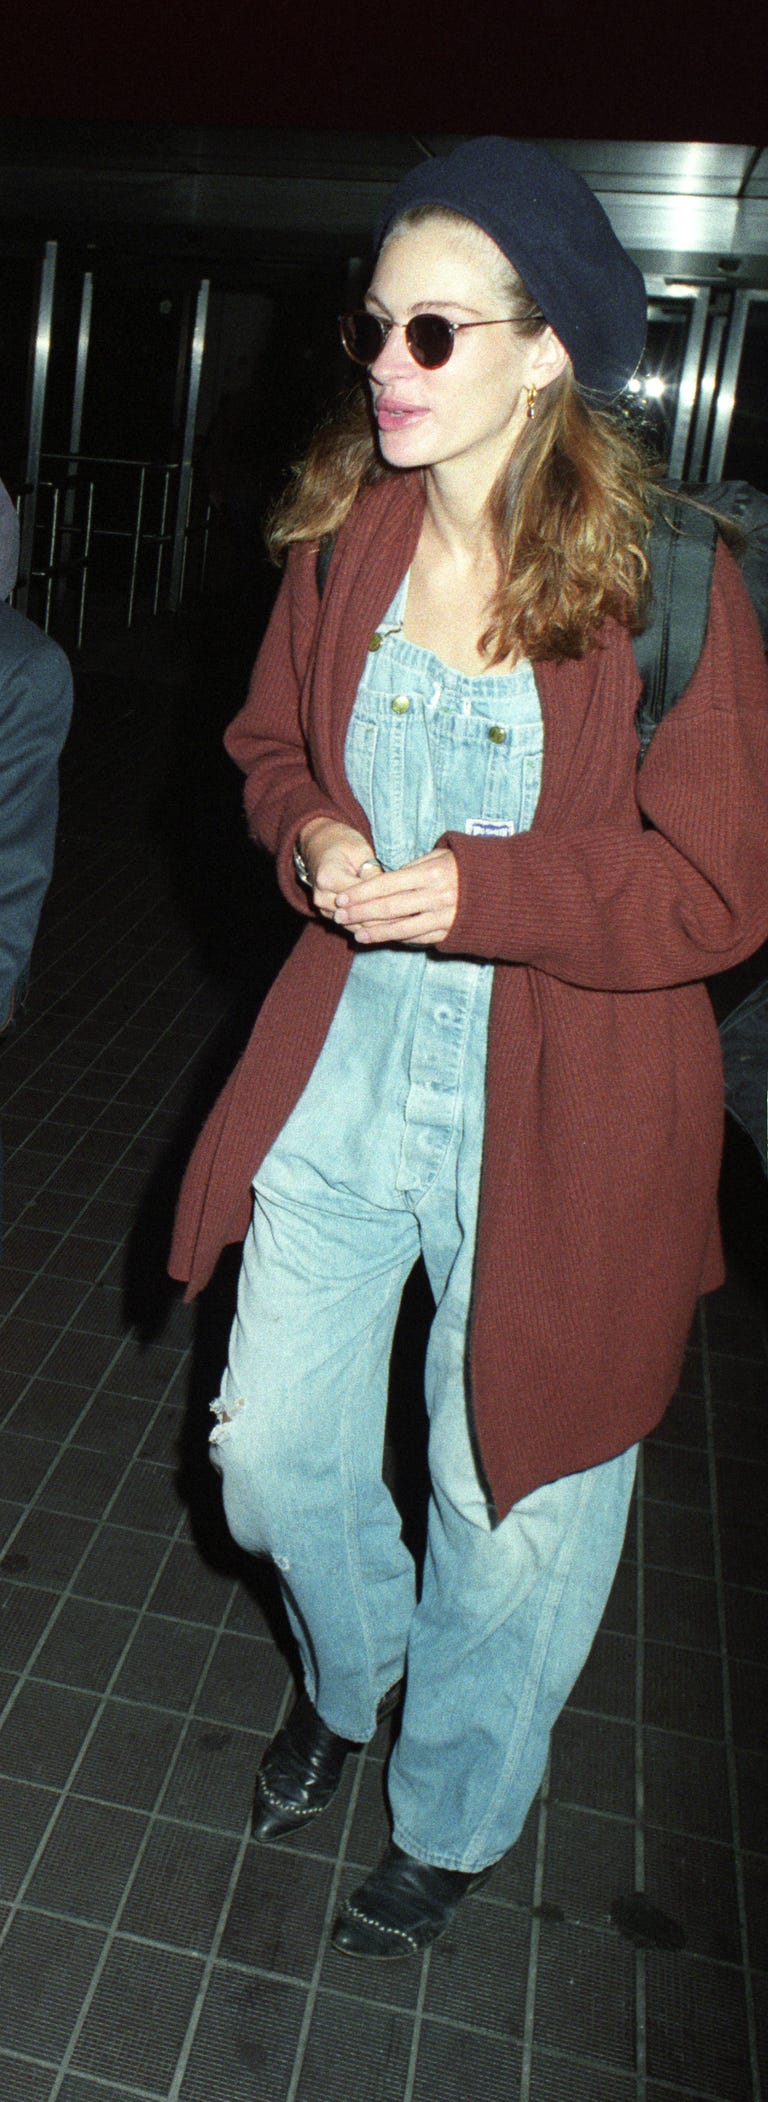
654,387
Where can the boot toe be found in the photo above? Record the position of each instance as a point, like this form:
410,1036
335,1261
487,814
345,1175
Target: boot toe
402,1907
299,1774
301,1769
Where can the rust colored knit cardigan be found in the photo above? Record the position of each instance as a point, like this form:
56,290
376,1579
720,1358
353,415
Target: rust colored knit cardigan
598,1223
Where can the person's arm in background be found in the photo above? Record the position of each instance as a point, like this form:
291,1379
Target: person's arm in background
35,711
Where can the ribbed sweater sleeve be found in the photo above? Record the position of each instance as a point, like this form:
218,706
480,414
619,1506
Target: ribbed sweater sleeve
267,741
289,737
678,895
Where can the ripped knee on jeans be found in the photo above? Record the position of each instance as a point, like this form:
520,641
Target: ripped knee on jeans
224,1412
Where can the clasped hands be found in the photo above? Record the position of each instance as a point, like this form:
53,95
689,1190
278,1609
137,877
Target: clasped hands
414,905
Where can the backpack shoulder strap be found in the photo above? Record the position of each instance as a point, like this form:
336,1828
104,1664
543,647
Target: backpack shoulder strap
682,555
746,508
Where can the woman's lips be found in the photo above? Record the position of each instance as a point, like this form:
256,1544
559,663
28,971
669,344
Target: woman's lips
396,416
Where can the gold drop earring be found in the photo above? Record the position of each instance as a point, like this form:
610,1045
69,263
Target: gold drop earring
531,402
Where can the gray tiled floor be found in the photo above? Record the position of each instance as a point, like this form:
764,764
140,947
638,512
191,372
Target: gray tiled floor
147,1948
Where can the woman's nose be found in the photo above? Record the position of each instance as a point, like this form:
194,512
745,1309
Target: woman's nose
394,355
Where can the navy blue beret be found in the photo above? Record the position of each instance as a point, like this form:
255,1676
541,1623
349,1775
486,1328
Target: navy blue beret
549,224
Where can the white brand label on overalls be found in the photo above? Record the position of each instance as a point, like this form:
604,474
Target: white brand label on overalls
488,828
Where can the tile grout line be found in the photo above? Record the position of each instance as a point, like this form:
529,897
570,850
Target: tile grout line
61,1329
329,1915
72,1227
110,1043
208,1967
100,924
84,942
121,2093
152,1821
25,1676
137,968
34,1501
529,2018
135,1070
16,1413
103,924
418,2025
63,1794
730,1746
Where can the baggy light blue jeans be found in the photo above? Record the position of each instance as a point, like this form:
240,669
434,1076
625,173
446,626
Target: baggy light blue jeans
380,1161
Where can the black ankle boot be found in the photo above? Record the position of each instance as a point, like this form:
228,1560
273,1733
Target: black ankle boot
302,1768
401,1906
299,1774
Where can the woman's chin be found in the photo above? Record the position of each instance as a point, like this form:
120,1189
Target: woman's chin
406,448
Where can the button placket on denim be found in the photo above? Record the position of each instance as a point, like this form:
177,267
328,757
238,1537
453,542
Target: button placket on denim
447,747
428,750
447,1063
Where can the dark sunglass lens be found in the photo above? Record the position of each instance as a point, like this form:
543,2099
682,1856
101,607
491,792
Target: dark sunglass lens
363,336
430,339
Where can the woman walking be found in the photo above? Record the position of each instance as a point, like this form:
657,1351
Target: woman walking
492,1045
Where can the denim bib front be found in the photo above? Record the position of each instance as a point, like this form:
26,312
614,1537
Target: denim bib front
430,749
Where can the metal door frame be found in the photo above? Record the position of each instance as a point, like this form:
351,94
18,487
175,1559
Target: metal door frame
706,400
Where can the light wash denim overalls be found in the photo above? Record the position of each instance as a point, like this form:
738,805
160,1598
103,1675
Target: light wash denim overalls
381,1159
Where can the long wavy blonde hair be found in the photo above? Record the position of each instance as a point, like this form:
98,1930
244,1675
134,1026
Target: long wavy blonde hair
569,514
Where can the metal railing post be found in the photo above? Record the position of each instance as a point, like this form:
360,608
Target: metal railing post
185,463
705,404
41,351
86,558
76,423
161,539
726,394
688,386
136,544
51,557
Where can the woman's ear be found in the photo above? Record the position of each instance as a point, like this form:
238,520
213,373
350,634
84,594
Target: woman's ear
549,360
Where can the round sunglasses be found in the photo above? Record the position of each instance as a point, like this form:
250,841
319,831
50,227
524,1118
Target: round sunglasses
430,338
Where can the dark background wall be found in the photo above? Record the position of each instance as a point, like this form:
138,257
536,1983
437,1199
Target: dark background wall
645,69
